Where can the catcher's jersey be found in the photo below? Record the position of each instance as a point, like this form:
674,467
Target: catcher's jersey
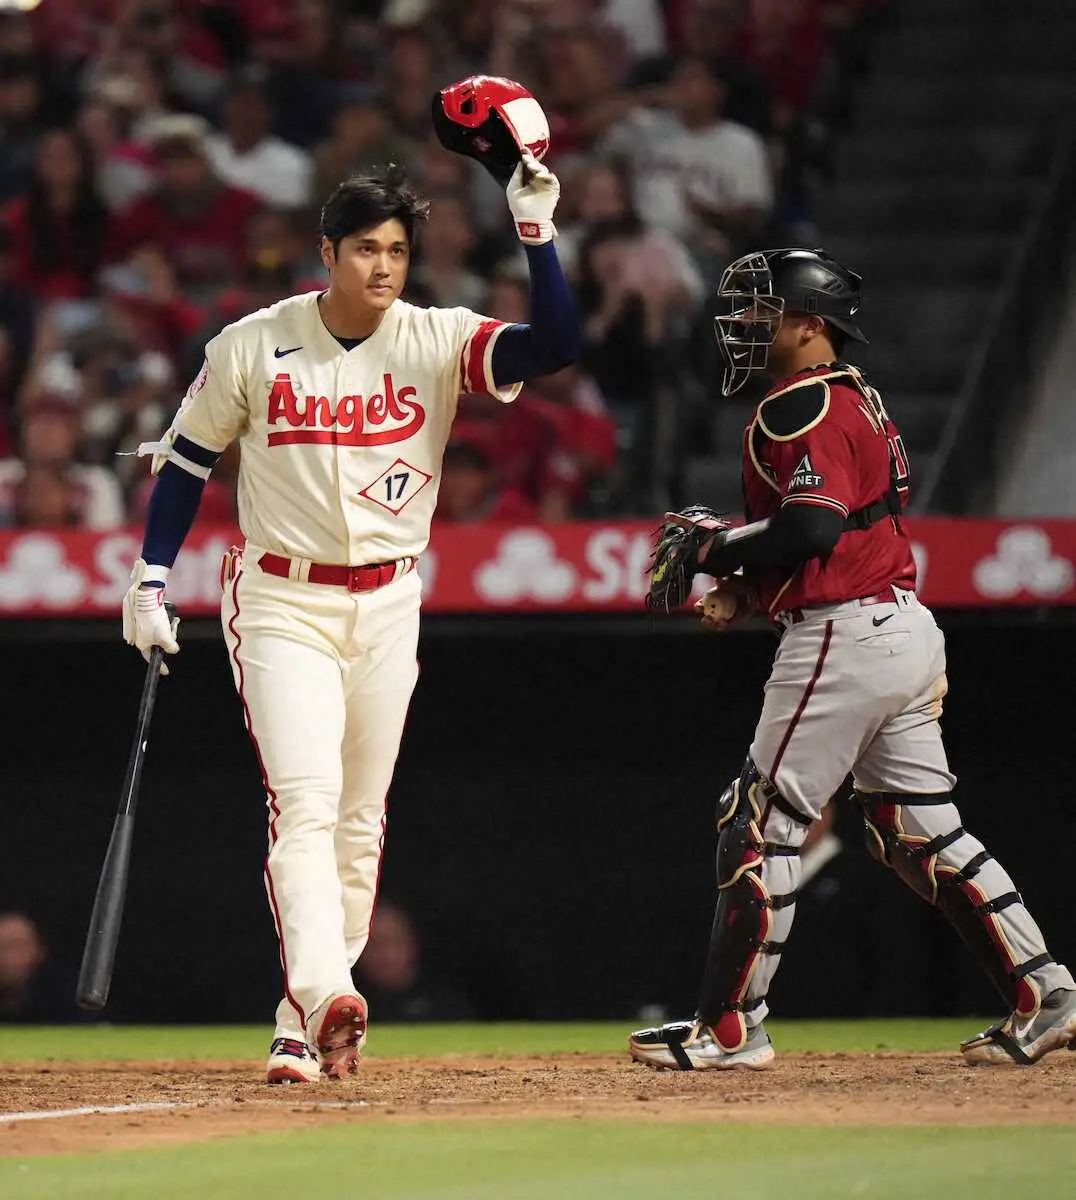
340,449
824,437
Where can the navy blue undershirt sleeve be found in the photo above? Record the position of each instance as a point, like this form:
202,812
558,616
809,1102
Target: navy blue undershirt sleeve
553,339
174,502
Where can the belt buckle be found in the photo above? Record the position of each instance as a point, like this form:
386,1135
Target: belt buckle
367,578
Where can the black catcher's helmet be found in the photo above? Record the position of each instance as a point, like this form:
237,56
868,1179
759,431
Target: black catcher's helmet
757,290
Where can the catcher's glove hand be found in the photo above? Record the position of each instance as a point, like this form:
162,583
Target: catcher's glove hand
676,554
729,600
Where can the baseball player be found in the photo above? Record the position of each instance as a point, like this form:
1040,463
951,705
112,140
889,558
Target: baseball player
856,686
342,403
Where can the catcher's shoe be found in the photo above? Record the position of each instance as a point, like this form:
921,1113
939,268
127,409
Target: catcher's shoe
290,1061
337,1030
1025,1042
690,1046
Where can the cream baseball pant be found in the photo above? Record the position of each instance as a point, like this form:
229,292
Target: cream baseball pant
325,677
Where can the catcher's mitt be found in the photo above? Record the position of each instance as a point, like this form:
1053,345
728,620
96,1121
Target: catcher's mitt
676,554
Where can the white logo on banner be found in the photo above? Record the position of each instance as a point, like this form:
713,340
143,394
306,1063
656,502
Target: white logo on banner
37,572
526,568
1023,558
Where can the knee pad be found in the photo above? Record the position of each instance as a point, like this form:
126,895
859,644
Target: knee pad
934,865
743,921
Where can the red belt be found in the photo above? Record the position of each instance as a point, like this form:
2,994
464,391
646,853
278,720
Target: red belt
367,578
888,595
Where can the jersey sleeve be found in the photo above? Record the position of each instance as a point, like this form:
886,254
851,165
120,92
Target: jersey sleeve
214,410
818,467
477,337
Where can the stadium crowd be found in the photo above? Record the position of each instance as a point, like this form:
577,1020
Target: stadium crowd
165,161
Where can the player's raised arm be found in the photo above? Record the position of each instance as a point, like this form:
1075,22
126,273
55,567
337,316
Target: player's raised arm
501,125
208,419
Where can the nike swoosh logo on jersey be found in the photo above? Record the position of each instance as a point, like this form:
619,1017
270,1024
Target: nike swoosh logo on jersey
882,620
278,353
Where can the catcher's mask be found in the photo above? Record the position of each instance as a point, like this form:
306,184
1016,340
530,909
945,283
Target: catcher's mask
492,120
758,289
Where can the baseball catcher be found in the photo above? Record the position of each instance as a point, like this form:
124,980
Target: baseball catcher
857,685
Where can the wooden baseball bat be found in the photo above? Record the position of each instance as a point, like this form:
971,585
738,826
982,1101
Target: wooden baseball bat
99,955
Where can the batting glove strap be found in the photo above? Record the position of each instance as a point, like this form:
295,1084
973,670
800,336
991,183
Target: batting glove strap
535,233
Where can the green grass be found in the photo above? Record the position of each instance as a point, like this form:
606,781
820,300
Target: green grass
239,1042
565,1160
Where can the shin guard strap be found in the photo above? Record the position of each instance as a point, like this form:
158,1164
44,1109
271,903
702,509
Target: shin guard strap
936,845
1029,967
970,869
998,903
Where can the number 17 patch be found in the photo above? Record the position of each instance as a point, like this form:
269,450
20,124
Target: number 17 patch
397,486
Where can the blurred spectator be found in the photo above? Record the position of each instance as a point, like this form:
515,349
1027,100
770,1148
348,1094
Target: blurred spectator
446,240
581,78
624,317
184,54
628,349
58,225
46,497
246,154
22,117
310,64
47,480
557,443
605,195
34,988
194,218
787,45
704,178
18,306
396,981
582,475
470,490
712,30
359,139
123,167
408,81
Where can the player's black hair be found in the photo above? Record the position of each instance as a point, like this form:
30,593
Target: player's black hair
363,201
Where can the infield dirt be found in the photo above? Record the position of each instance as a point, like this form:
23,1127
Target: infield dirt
228,1099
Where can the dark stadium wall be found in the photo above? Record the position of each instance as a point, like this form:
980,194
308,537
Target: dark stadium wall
551,824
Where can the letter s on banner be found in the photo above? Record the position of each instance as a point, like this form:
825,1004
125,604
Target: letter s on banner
605,557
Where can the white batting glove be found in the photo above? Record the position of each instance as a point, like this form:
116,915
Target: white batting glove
533,192
145,620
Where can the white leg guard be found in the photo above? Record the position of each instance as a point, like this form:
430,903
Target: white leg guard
922,839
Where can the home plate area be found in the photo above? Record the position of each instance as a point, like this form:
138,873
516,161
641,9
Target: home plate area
166,1102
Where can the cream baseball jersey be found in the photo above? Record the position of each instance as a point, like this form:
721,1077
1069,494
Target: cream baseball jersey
340,450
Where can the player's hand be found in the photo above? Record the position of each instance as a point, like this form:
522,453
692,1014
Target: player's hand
725,603
145,619
533,192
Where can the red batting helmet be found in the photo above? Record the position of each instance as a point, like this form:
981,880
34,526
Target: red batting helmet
490,119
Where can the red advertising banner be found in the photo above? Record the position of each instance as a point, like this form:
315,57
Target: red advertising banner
586,567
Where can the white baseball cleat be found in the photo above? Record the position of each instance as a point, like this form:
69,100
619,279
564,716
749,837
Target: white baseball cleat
337,1031
290,1061
690,1046
1051,1028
